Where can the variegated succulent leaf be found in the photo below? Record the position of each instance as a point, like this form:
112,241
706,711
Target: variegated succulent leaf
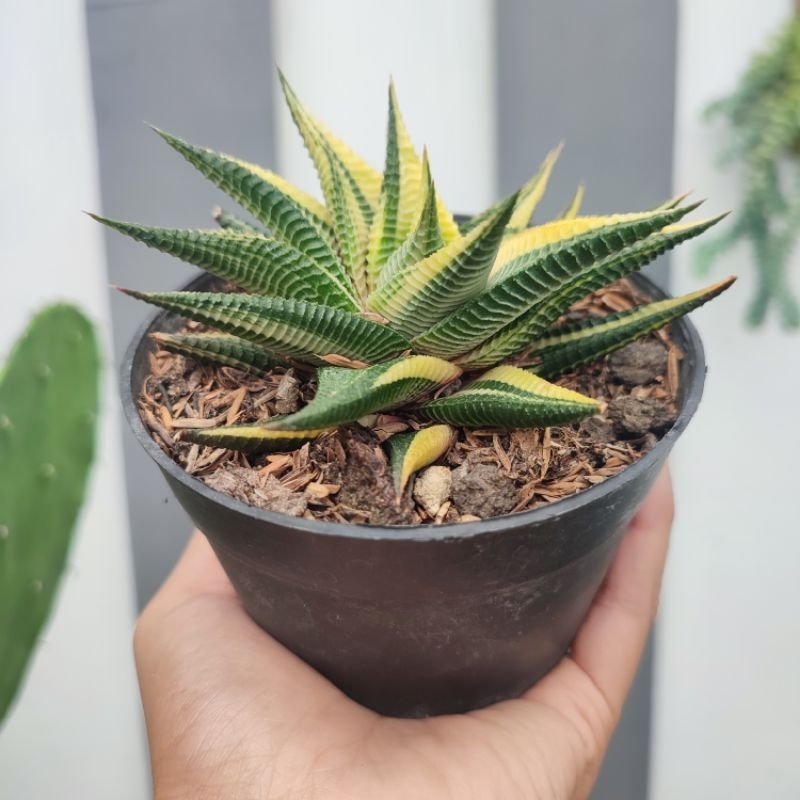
412,451
380,289
251,439
345,395
509,397
581,343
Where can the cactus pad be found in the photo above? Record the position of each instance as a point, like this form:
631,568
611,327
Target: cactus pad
48,407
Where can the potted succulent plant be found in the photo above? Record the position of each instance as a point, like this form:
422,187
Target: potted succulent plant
363,340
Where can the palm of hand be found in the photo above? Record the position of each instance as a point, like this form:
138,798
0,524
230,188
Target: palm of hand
232,714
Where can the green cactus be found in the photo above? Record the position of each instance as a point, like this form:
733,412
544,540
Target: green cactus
48,407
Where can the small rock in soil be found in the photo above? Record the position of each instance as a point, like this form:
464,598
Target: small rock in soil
598,430
367,483
483,490
636,417
287,395
432,487
639,363
249,486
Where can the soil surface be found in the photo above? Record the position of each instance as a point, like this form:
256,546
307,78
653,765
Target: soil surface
345,476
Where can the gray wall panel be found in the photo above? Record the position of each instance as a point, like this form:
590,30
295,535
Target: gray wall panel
203,70
600,77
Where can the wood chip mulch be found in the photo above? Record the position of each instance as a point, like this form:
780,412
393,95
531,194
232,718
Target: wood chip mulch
490,472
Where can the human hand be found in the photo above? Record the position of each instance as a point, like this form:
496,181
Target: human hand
231,714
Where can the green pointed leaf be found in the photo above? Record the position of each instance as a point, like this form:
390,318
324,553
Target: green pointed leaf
321,144
532,192
289,328
533,323
574,206
290,215
673,202
401,192
252,261
527,200
519,249
251,439
410,452
585,342
423,241
345,395
423,293
544,273
350,223
230,222
218,348
507,398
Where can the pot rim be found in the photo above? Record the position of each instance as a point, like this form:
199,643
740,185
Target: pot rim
692,393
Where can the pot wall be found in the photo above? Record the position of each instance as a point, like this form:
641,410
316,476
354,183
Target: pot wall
417,627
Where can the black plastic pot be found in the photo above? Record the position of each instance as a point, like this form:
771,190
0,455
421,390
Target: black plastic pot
420,620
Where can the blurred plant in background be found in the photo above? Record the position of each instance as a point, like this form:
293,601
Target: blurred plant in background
763,117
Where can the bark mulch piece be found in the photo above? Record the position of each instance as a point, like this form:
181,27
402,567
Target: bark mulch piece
345,477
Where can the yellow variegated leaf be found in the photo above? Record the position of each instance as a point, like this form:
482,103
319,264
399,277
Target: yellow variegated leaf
447,223
349,222
580,343
345,395
421,294
530,195
250,438
673,202
506,397
318,139
571,211
412,451
422,242
519,244
402,192
313,208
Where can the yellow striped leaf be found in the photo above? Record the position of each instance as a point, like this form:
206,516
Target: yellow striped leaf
289,328
527,327
527,200
345,395
546,275
574,206
274,203
350,223
402,192
423,293
410,452
252,261
582,343
322,144
250,439
521,245
313,209
507,398
423,241
219,348
531,194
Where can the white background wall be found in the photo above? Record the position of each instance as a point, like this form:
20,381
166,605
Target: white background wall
339,57
727,716
75,731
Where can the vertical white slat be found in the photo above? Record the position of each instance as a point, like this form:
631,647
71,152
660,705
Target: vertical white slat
339,57
727,698
75,730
